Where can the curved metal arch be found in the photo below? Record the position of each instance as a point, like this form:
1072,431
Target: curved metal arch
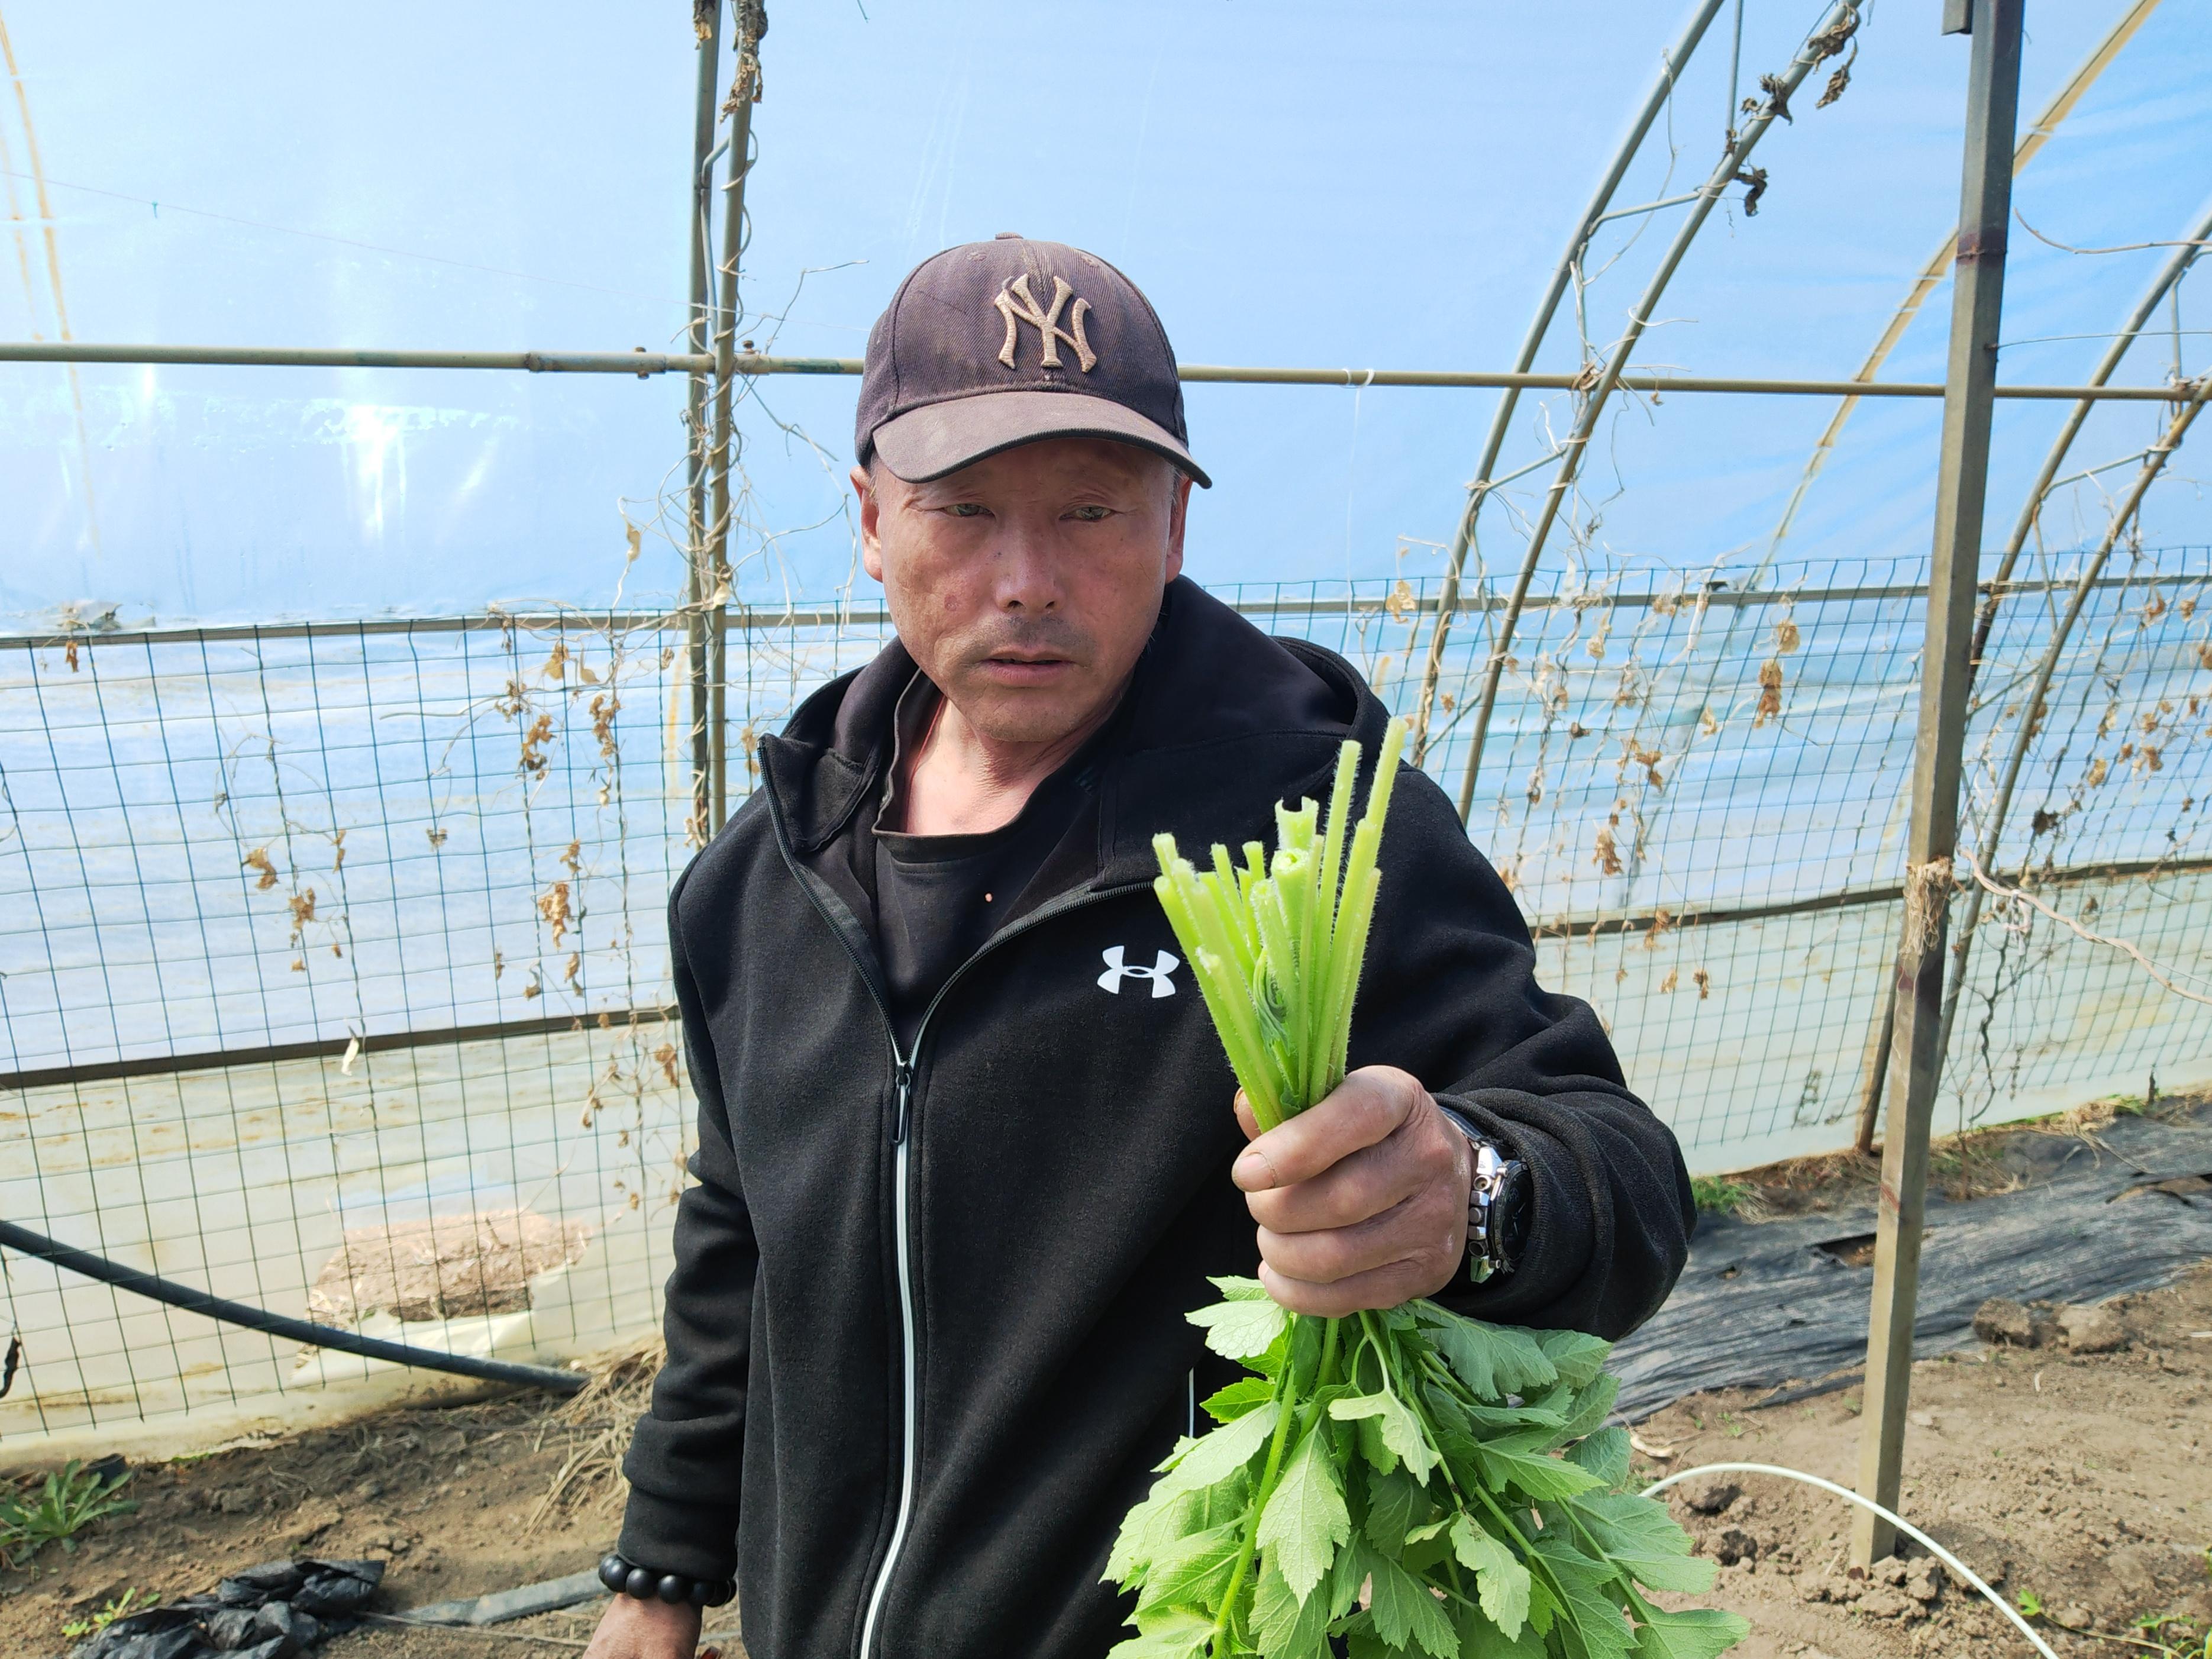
2153,463
1877,1080
1939,263
1672,62
2185,255
1835,26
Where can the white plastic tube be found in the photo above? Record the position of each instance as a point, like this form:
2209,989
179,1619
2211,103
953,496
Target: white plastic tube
1898,1521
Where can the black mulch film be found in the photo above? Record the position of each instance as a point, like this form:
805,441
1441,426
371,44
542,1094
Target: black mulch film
270,1612
1773,1303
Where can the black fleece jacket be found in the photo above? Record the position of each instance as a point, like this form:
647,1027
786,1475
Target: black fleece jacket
926,1333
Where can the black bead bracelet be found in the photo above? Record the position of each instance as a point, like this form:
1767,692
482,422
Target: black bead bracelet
624,1577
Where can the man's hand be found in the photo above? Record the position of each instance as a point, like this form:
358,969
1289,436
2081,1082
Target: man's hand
1361,1198
632,1629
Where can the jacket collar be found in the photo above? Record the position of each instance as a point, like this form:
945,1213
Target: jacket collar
1222,721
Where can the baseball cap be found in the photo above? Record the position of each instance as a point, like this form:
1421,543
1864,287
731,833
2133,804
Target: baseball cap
996,343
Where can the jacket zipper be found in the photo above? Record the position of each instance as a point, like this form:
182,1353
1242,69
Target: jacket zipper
901,1146
910,1462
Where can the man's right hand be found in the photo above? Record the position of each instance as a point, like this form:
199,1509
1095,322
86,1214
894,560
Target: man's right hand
631,1629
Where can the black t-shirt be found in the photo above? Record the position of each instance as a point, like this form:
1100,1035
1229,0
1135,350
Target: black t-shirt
938,899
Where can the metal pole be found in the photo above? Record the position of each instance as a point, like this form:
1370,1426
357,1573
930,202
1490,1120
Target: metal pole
706,20
1977,293
1663,88
751,23
744,364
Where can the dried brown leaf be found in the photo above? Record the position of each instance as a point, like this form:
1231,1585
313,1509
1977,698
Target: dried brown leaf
553,905
1770,692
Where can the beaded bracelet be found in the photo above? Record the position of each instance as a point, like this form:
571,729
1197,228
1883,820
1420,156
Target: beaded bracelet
624,1577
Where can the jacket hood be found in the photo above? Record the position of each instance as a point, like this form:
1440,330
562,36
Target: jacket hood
1215,705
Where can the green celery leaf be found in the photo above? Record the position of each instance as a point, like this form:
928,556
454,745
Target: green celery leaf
1541,1476
1605,1455
1499,1574
1283,1626
1223,1501
1590,1407
1577,1357
1593,1624
1305,1519
1176,1633
1192,1571
1161,1518
1400,1430
1369,1433
1403,1607
1543,1607
1390,1500
1480,1637
1347,1578
1215,1457
1236,1289
1131,1553
1645,1541
1492,1360
1245,1393
1699,1634
1242,1329
1305,1351
1505,1419
1428,1529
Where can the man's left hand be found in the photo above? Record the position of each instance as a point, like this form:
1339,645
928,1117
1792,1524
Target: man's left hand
1361,1198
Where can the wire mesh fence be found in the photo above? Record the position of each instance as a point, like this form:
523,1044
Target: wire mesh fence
336,981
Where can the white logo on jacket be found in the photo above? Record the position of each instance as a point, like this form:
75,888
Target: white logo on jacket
1116,971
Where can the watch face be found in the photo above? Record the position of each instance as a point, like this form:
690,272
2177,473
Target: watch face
1509,1212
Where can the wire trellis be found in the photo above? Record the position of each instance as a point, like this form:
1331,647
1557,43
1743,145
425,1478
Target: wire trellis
338,978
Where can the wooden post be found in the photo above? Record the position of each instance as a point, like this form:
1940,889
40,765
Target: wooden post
1978,291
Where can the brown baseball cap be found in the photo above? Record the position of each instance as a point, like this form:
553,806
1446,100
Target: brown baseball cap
996,343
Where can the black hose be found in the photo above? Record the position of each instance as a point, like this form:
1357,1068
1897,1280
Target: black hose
296,1330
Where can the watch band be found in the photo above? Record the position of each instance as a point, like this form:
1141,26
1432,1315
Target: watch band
1487,1255
1499,1182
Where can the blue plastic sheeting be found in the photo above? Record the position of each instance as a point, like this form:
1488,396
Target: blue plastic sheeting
1302,186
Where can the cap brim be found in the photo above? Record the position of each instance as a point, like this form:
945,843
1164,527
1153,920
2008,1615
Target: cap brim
937,439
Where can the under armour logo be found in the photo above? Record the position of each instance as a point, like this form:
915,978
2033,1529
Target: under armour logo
1018,305
1162,965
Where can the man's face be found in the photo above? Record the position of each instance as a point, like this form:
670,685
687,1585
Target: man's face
1026,584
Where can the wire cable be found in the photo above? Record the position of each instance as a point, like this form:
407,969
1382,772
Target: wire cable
1898,1521
167,1290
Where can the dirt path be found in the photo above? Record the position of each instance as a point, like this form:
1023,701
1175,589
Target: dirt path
456,1499
2084,1480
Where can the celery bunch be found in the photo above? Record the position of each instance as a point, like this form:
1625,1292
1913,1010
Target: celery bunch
1409,1481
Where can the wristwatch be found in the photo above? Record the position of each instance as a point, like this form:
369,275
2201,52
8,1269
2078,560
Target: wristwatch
1497,1205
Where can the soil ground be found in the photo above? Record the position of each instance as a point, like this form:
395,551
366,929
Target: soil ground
2083,1481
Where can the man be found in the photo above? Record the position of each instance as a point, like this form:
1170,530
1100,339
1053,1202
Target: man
966,1146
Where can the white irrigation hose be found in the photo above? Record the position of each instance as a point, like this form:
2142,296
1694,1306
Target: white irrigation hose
1897,1521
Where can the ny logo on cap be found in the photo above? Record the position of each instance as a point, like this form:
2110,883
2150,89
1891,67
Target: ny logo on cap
1161,973
1018,305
